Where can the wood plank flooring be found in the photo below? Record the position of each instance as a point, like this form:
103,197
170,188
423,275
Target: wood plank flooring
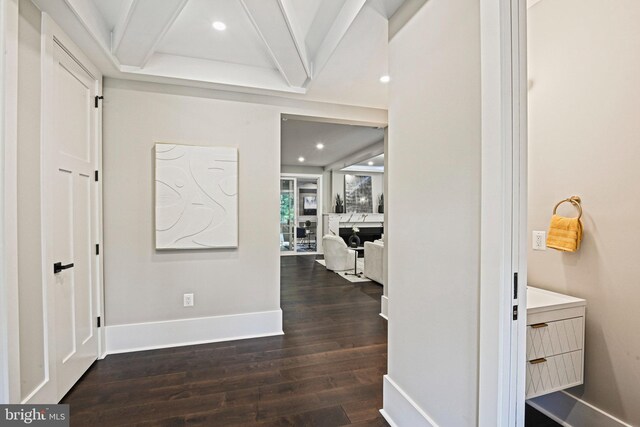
325,371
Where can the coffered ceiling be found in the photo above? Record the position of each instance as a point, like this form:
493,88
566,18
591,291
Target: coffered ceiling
327,50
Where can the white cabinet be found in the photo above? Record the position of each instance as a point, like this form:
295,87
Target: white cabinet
555,341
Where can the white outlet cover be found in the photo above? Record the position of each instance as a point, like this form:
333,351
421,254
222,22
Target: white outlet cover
539,241
188,300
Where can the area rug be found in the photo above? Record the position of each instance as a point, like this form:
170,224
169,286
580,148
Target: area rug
352,279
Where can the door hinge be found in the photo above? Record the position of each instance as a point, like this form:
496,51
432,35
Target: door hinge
515,285
98,322
515,312
96,176
97,99
97,248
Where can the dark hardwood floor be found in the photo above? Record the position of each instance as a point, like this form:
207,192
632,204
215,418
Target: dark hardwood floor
535,418
325,371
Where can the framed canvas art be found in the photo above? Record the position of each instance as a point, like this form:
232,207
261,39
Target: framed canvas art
358,194
196,197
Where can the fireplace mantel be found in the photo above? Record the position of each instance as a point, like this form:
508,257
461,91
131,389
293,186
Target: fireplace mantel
333,222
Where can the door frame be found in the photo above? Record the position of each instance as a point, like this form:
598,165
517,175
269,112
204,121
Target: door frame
319,226
502,342
295,205
9,318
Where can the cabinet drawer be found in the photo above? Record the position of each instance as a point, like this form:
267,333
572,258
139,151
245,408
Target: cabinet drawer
552,338
546,375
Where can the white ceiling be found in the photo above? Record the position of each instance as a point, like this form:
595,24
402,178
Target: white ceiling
299,138
111,9
324,50
191,35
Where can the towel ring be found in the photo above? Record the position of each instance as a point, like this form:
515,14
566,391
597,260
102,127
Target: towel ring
575,201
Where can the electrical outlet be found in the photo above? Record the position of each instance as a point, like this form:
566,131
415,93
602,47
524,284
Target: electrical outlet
539,241
187,300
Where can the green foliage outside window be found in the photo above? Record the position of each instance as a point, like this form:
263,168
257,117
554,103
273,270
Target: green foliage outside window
286,211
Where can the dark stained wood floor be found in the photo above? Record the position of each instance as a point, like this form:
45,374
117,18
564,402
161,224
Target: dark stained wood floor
325,371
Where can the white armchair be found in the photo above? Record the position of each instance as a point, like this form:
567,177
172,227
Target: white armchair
373,265
337,256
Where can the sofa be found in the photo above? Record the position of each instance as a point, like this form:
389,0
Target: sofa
373,261
337,256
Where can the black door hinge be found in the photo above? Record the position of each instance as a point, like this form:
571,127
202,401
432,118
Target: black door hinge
97,99
515,285
97,249
96,176
98,322
515,312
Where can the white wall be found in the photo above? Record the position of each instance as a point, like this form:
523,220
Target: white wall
434,190
584,139
145,285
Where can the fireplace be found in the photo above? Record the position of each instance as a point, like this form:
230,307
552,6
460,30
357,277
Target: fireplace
366,234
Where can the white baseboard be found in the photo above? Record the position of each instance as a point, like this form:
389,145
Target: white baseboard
399,409
384,307
571,411
176,333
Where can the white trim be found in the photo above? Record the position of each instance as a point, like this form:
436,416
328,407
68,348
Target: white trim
400,410
503,204
177,333
521,185
502,341
9,316
384,307
570,411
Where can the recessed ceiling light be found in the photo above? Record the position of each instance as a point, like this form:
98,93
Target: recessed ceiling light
319,145
385,79
301,159
220,26
370,163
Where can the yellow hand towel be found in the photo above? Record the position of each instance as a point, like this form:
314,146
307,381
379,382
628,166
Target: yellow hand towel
565,234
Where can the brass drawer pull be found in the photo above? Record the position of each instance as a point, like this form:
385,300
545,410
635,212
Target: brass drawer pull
537,361
539,325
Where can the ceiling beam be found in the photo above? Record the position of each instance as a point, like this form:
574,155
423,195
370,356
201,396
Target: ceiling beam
217,72
141,28
275,22
343,21
359,156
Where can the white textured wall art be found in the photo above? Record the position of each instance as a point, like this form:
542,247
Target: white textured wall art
196,197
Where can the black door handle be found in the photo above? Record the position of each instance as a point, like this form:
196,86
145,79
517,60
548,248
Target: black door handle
58,267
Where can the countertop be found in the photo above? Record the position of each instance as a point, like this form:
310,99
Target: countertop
542,300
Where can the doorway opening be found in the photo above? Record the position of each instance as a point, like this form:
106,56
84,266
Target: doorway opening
300,213
332,182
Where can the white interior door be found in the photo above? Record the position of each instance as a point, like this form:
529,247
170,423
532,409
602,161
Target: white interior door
71,208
